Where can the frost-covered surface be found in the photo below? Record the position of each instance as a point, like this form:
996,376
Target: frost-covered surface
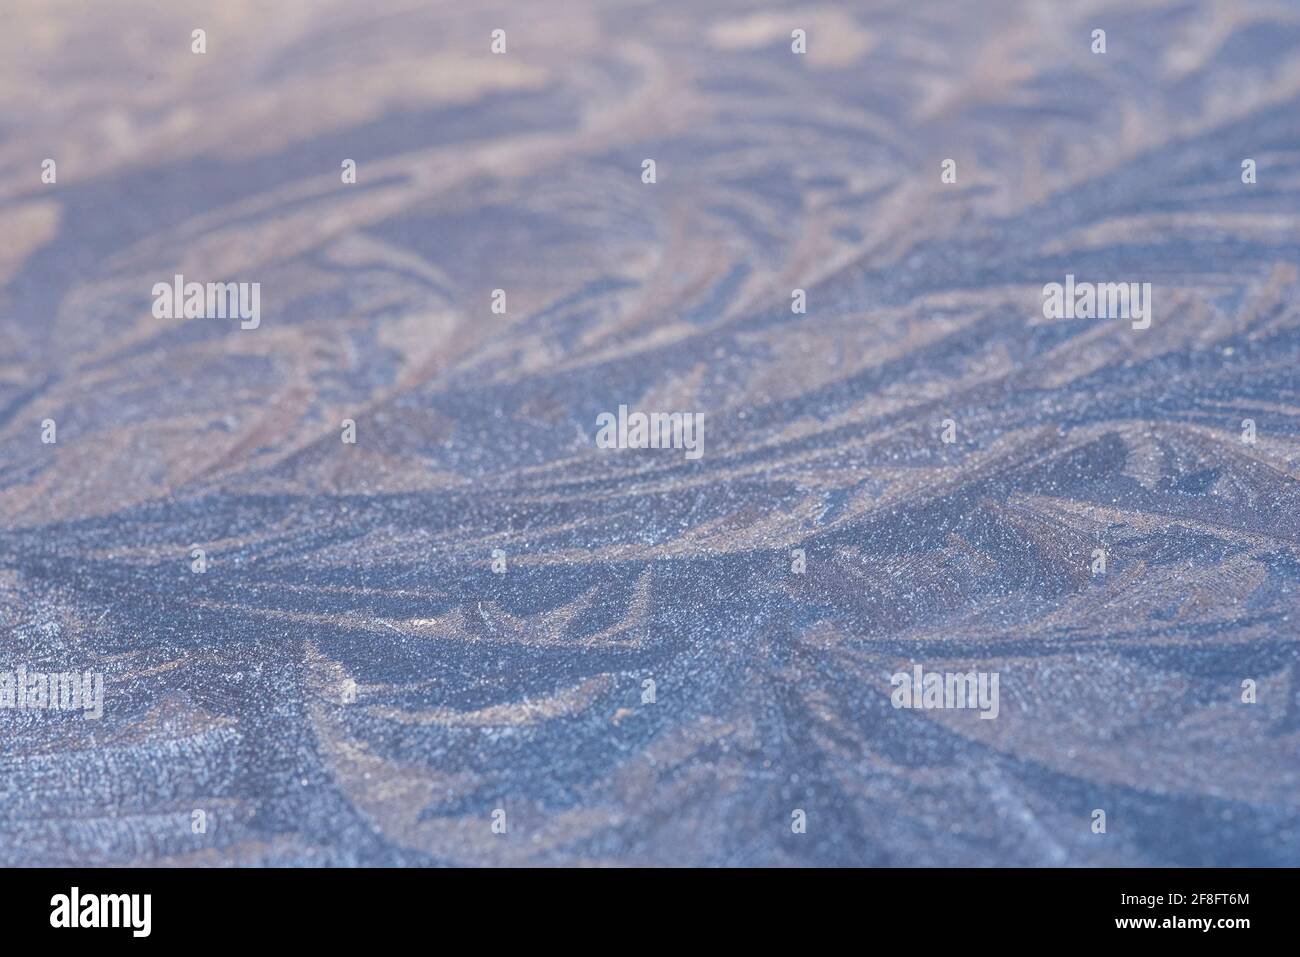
349,682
